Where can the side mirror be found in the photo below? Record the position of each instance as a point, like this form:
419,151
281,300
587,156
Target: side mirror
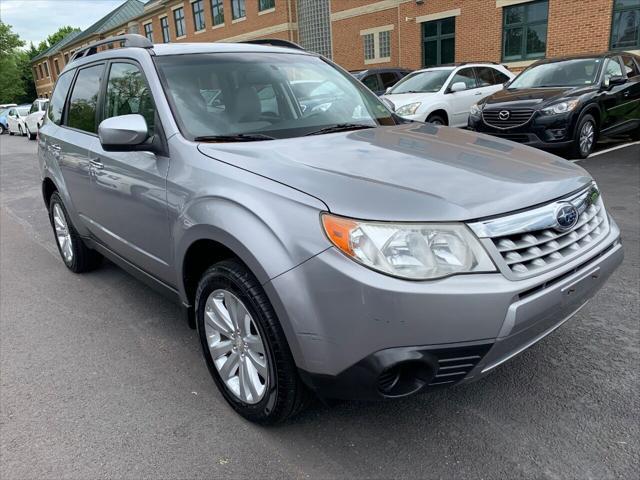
458,87
614,80
125,133
388,90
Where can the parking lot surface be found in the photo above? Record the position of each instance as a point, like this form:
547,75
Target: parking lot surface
101,378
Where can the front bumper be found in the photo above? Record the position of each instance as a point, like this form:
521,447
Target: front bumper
351,329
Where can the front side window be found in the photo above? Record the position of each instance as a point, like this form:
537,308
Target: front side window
278,95
372,82
388,79
266,4
128,93
613,68
217,12
465,76
430,81
148,31
237,9
525,31
566,73
485,76
625,28
56,106
198,15
84,99
178,17
164,25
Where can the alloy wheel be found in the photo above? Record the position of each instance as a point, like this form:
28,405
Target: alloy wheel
236,346
587,138
62,233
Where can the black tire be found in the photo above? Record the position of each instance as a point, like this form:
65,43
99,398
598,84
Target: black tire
578,148
285,393
83,259
20,130
30,136
436,119
635,135
2,129
11,133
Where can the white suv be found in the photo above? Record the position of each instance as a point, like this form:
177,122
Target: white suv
444,95
34,119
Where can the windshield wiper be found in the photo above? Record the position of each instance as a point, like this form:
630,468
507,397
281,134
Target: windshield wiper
340,127
238,137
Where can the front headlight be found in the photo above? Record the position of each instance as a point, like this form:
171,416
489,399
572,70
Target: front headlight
562,107
476,109
409,250
408,109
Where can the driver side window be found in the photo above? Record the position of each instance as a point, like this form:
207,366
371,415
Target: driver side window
128,93
613,69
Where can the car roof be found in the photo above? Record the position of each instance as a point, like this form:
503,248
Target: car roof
583,56
162,49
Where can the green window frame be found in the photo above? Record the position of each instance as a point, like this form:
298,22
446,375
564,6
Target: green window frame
625,25
524,31
178,18
435,34
164,25
217,12
197,8
238,9
266,4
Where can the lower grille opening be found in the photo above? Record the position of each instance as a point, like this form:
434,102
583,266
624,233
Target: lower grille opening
456,363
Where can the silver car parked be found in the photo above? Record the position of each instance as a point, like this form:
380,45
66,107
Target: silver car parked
318,244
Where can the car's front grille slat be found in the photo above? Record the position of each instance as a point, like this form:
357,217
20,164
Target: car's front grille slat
515,118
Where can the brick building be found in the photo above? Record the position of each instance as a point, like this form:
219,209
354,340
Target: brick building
361,34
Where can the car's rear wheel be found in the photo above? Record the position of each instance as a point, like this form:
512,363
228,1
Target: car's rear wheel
30,136
244,346
20,130
75,254
585,137
436,119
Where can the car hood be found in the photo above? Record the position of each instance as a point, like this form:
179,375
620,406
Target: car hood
401,99
410,172
532,97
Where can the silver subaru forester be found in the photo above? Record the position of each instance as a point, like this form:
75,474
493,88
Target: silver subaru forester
318,242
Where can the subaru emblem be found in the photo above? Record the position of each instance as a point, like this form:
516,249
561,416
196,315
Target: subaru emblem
566,217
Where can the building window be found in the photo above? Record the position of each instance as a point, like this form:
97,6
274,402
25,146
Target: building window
35,73
198,15
314,26
217,12
625,30
164,26
46,69
439,42
57,67
377,44
525,31
66,58
369,48
266,4
178,17
237,9
148,31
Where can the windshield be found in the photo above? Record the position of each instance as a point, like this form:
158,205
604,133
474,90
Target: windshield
269,94
422,82
568,73
23,111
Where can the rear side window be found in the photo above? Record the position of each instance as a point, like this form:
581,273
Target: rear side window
465,76
84,99
389,79
630,66
56,106
485,76
128,93
372,82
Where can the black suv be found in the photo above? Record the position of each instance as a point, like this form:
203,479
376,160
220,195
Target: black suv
566,103
378,80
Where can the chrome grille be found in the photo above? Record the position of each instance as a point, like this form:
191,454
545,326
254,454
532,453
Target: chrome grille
517,117
530,243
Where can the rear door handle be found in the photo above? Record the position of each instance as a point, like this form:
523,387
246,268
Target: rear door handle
96,163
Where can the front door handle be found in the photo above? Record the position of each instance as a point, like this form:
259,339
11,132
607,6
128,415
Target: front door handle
96,163
478,93
55,147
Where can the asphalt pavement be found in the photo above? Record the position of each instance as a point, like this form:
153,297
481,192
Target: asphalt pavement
101,378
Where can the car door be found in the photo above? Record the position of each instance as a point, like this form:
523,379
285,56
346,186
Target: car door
632,93
72,142
617,100
129,211
11,120
460,102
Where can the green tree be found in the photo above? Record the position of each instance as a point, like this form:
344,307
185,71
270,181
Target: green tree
11,83
59,35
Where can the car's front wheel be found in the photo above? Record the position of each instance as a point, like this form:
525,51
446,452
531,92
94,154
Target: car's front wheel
20,131
75,254
30,136
2,129
585,137
244,346
436,119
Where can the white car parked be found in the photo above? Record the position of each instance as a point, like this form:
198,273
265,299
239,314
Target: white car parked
16,118
444,95
34,119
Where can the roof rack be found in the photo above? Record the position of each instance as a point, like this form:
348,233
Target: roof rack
459,64
274,42
129,40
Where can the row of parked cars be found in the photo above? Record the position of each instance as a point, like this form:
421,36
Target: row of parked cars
556,104
23,120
